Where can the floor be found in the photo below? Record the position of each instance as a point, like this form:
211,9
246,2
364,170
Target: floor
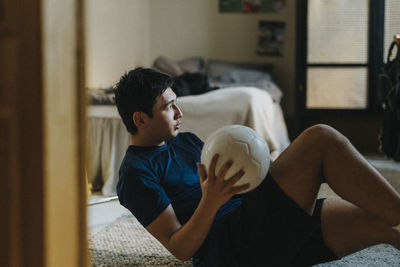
102,211
105,210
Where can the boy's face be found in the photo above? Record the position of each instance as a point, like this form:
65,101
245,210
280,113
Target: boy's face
167,117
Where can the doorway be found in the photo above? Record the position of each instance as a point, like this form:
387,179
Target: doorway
339,55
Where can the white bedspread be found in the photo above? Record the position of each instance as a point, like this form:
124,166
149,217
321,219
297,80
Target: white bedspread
202,114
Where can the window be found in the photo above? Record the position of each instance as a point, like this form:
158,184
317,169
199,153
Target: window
337,54
340,53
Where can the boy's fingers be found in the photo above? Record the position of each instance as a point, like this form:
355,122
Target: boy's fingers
239,188
222,172
236,177
211,168
202,172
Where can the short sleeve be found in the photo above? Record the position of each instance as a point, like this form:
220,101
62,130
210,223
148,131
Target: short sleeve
140,192
199,143
192,139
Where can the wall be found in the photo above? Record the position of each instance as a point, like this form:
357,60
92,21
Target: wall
184,28
180,29
117,39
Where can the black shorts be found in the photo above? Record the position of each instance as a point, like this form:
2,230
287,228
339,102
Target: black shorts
267,229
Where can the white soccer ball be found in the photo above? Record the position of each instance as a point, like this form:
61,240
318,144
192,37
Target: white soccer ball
245,147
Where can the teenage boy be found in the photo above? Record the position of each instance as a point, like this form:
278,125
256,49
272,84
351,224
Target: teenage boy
196,213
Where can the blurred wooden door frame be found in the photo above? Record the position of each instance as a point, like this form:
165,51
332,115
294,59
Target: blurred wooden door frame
27,227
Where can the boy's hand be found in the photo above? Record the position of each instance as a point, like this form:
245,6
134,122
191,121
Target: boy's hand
216,190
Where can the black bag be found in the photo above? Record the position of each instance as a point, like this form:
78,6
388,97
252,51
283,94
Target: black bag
389,87
191,84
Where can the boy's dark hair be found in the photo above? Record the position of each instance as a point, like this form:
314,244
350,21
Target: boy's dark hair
138,90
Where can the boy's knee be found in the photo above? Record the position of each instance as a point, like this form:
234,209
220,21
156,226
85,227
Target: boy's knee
326,135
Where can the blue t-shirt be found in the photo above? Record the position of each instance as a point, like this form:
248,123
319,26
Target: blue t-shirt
151,178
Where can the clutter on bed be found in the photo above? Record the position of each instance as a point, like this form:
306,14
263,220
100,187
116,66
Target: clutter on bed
194,76
191,84
101,96
234,74
220,74
176,68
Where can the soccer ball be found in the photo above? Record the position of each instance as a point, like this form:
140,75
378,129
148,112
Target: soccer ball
245,147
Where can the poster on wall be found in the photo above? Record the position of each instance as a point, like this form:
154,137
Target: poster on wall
251,6
270,38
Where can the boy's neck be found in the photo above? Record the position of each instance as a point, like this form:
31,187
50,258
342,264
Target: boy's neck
138,140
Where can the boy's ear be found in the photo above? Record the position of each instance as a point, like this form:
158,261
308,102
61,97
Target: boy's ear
139,119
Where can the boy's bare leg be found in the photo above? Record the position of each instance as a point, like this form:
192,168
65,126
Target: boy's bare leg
346,228
321,151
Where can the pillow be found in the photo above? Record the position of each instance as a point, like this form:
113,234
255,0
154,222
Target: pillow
192,64
225,74
167,66
216,68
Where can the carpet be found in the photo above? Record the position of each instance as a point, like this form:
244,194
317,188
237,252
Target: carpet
389,169
126,243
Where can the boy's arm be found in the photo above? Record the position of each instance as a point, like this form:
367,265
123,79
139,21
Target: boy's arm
184,240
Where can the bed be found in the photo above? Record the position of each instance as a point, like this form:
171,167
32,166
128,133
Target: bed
255,104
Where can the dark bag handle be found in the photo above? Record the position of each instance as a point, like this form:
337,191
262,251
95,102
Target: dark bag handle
390,51
396,41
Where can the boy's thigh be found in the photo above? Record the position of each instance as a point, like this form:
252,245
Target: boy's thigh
298,170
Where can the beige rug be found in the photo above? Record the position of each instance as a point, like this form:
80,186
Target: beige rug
389,169
126,243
